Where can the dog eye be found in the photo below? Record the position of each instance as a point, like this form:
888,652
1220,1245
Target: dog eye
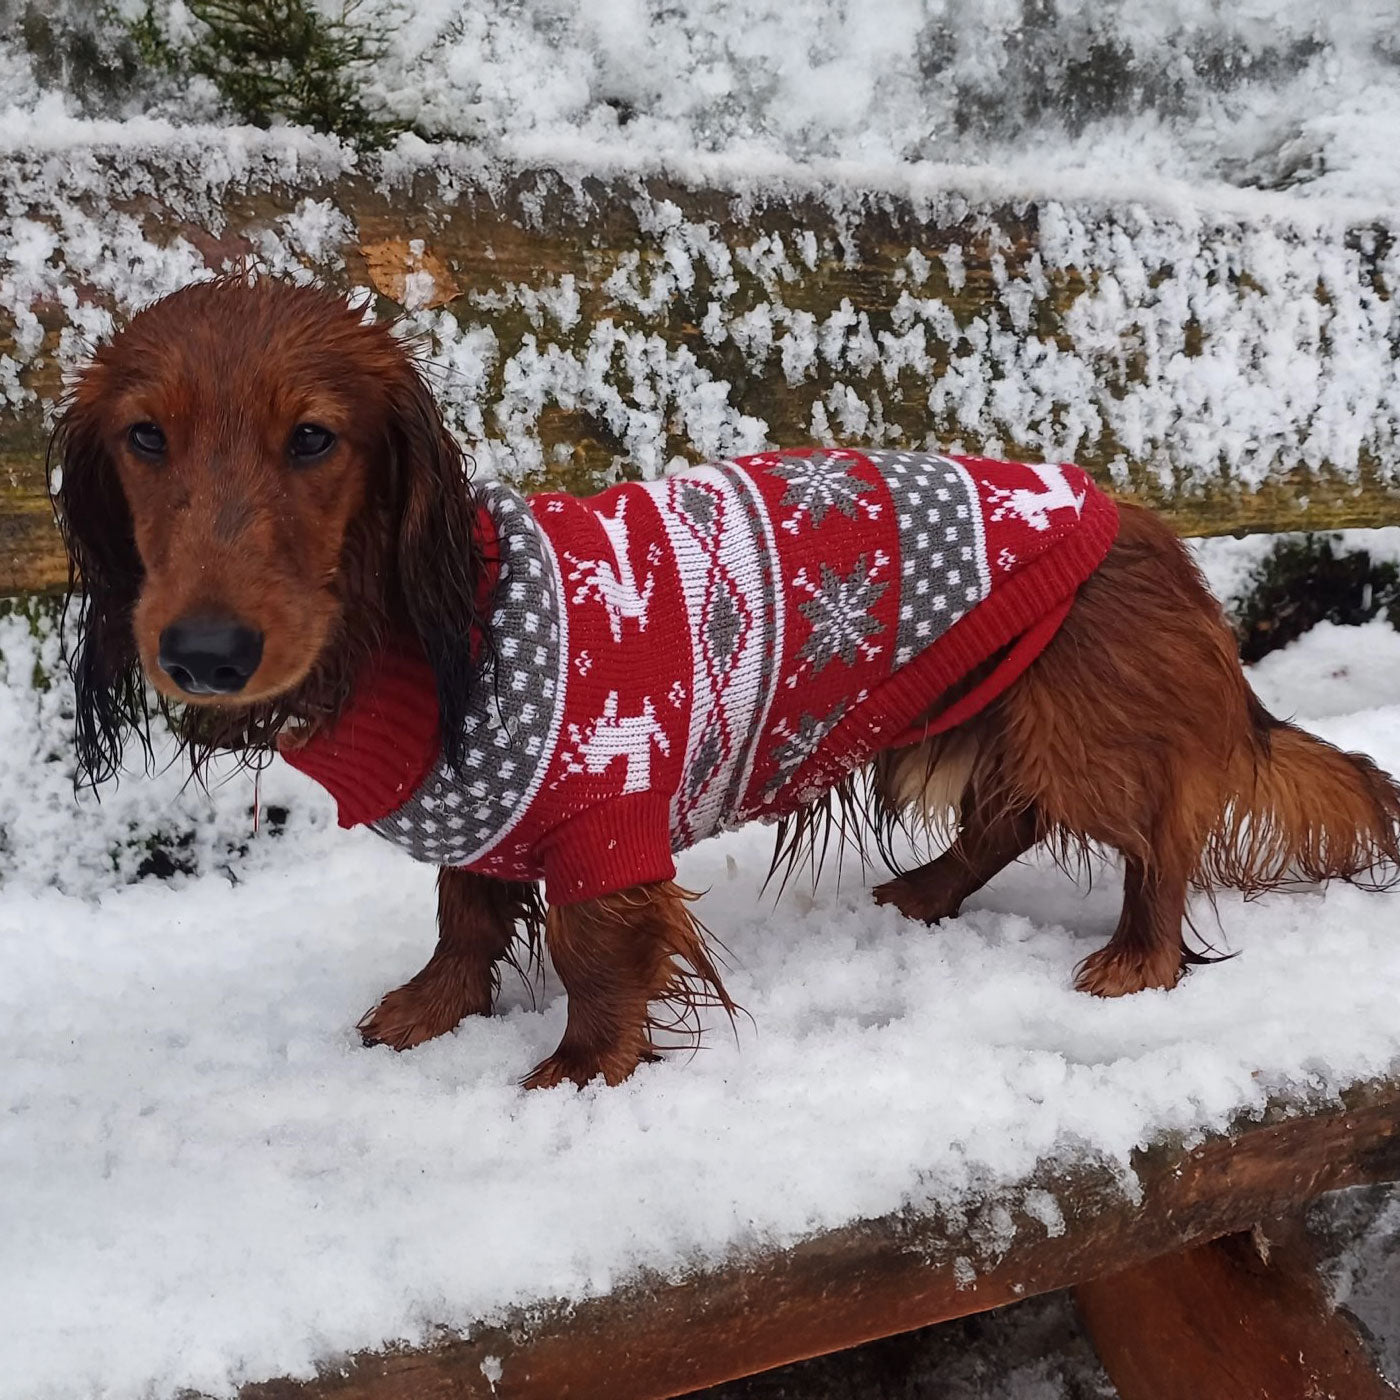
309,441
146,439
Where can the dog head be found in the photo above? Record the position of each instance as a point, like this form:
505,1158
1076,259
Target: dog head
252,479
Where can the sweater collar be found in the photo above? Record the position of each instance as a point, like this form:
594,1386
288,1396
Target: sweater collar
382,745
385,741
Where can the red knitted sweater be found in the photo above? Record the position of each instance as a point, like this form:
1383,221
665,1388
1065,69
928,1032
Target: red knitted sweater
723,645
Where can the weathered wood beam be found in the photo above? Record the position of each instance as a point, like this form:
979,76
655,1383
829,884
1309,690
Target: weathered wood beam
664,1337
1240,1318
1240,372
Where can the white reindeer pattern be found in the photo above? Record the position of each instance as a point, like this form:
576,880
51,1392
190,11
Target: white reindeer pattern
614,585
629,737
1034,507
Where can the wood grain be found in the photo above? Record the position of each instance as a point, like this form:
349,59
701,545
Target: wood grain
1242,1318
499,257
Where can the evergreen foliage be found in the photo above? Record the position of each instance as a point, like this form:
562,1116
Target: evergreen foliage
82,50
1306,580
280,61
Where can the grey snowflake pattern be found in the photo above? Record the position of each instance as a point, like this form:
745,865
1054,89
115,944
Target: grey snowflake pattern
839,611
796,746
819,483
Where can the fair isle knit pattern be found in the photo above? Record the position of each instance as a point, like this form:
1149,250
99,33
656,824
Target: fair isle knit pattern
674,658
513,720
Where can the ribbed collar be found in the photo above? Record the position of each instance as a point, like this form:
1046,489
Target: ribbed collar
384,743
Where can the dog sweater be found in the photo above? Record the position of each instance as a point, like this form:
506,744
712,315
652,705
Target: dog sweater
670,659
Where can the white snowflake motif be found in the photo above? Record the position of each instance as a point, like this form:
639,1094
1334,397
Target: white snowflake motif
817,484
1034,507
583,663
795,746
839,610
1005,559
676,695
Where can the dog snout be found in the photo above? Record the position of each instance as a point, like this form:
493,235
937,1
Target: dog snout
210,656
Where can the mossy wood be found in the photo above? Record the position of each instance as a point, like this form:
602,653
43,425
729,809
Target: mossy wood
663,1337
620,325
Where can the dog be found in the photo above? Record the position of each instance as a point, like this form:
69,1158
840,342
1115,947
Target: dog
270,524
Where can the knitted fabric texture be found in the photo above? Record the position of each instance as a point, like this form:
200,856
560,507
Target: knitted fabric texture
675,658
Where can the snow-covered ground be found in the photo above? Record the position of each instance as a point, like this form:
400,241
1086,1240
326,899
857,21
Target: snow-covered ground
208,1179
1273,94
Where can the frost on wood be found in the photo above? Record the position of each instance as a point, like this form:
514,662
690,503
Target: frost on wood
579,329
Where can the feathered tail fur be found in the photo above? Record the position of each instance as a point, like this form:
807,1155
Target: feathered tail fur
1304,809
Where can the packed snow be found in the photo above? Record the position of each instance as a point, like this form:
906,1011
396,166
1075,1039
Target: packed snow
209,1180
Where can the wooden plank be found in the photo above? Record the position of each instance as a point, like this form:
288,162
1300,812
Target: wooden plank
1240,1318
807,315
661,1337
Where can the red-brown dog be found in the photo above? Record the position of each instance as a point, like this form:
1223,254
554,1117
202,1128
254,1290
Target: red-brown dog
271,524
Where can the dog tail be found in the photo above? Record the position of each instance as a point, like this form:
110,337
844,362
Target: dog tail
1303,809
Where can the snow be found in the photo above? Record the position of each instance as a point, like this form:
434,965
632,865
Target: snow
1223,173
1283,376
1331,671
1298,95
208,1180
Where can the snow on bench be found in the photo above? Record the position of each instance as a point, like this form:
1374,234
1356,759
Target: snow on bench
209,1183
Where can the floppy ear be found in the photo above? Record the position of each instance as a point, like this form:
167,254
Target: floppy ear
104,570
438,555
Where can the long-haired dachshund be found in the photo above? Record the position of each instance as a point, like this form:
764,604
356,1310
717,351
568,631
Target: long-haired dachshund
270,523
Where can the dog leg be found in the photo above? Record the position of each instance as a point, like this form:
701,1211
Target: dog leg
1146,949
616,956
477,926
985,845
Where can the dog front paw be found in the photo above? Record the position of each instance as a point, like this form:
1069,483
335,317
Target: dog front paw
1114,972
572,1066
424,1008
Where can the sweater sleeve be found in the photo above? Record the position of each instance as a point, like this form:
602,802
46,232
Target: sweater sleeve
622,842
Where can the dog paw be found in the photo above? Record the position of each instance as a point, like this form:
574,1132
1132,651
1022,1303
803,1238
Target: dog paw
565,1066
419,1011
1113,973
555,1070
924,906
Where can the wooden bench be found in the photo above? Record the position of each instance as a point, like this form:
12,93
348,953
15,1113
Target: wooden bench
1199,1289
599,323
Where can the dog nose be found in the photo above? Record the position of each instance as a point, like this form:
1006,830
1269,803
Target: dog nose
210,656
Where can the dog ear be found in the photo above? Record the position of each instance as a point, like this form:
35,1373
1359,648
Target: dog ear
438,554
105,573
